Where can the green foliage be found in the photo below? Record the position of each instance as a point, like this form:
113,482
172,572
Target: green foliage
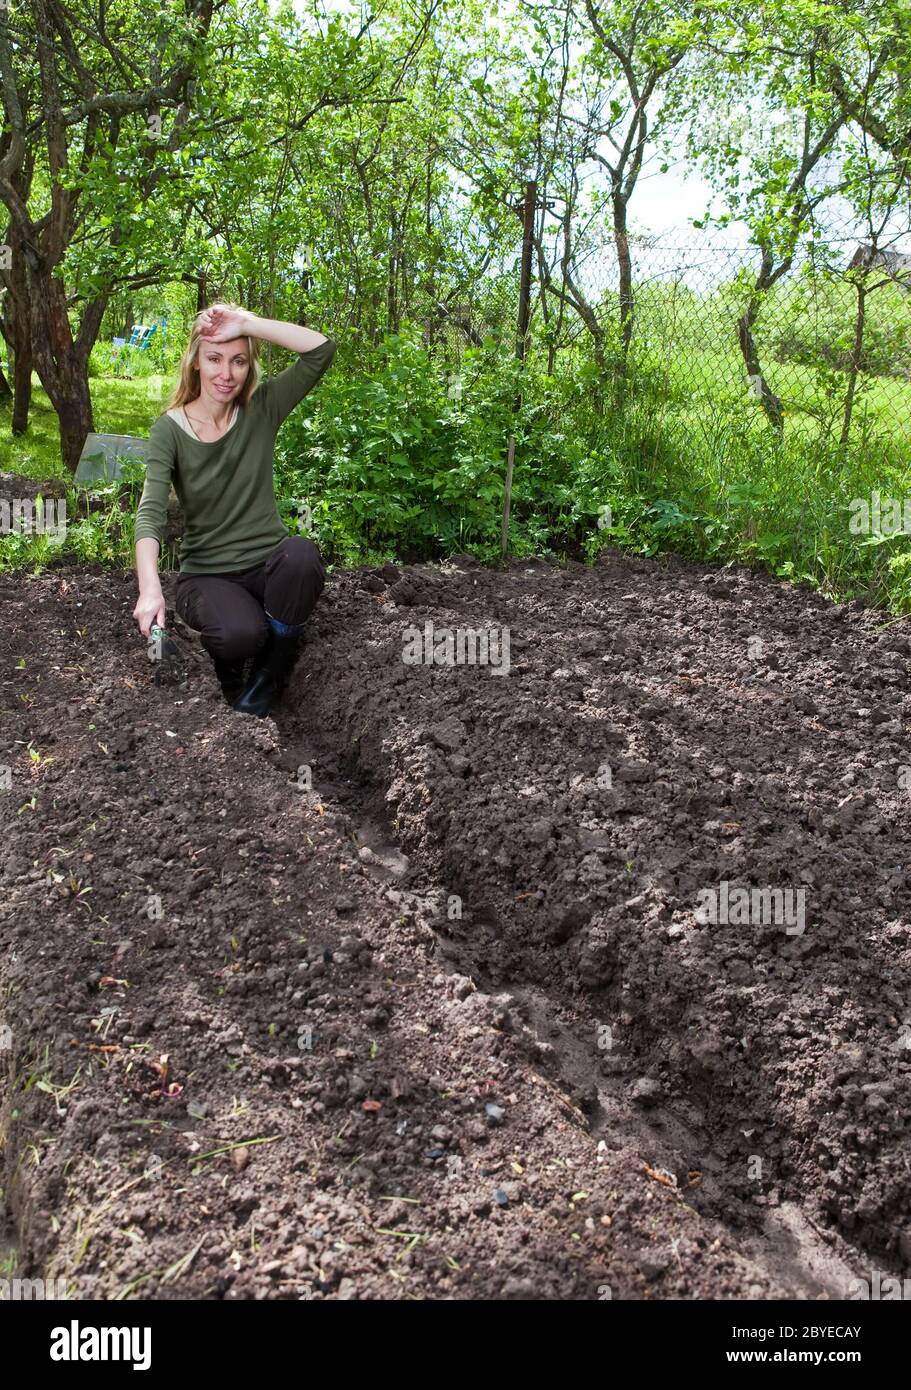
392,460
127,363
815,325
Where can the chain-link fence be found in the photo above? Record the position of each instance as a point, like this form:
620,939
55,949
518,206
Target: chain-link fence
824,349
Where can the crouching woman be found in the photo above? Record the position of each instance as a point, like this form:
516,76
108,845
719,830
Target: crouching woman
245,584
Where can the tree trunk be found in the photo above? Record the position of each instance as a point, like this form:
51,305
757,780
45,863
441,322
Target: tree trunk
625,265
60,362
856,357
17,332
73,404
770,403
22,383
5,389
760,388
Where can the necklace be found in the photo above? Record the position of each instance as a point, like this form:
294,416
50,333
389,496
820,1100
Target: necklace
194,421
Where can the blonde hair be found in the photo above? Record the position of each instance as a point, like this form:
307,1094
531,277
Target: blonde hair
187,388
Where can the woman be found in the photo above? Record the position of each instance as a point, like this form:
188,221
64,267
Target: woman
245,584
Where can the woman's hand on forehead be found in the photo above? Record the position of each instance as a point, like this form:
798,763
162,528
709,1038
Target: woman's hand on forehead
218,325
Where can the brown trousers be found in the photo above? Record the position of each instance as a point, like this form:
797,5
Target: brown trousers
231,611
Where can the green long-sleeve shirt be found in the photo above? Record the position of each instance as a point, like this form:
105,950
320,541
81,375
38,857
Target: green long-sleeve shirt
226,489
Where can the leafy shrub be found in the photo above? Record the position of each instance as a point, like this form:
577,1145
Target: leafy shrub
818,328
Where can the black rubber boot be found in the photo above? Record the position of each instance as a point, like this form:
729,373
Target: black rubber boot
269,675
230,677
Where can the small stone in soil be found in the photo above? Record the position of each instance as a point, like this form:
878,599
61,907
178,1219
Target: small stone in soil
645,1091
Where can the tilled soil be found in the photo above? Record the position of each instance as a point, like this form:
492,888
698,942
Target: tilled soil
405,994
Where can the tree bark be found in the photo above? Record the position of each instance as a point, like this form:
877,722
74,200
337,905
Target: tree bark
625,266
856,358
5,389
60,361
770,403
17,333
22,382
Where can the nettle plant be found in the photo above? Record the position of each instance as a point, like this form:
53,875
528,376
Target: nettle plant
389,460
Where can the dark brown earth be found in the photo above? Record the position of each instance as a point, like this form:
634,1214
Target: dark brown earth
679,1109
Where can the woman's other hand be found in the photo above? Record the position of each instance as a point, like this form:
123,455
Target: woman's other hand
150,608
217,325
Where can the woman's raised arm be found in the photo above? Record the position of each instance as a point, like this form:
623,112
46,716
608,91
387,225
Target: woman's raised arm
219,325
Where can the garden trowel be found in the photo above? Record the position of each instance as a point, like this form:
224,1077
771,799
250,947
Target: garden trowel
168,659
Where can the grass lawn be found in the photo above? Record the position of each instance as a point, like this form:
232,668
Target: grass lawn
120,407
708,380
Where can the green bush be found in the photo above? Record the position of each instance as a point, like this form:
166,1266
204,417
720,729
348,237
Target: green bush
126,363
395,463
814,324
